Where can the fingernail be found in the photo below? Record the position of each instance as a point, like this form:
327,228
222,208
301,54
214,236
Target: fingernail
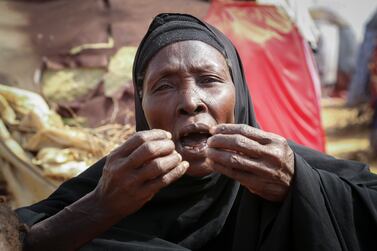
212,130
180,156
185,164
168,134
209,140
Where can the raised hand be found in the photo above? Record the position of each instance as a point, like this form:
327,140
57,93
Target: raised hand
262,162
137,170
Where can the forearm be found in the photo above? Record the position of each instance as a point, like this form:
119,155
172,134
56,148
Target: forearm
70,228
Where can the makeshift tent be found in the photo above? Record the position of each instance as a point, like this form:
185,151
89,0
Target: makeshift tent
279,68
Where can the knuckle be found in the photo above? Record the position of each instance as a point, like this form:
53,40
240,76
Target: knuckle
170,144
245,129
106,172
141,137
284,141
181,170
107,168
110,167
178,157
279,154
111,159
240,141
280,140
235,160
111,155
165,180
149,148
222,128
274,153
133,135
157,166
276,175
259,151
107,163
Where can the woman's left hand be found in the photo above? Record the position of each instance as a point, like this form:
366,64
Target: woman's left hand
261,161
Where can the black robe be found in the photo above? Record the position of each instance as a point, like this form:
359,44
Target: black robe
331,205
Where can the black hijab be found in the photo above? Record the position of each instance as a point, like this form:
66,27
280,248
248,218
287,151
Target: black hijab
216,213
166,29
208,200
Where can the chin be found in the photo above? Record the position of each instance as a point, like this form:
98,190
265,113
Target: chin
199,168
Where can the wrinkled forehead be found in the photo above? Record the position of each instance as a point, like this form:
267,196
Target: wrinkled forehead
186,56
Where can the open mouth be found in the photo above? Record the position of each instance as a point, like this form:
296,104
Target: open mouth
195,141
194,137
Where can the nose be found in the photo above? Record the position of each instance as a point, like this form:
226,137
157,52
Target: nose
190,103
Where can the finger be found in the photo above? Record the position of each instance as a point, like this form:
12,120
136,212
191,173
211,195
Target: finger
257,184
241,163
138,139
159,166
155,185
250,132
148,151
240,176
265,188
238,143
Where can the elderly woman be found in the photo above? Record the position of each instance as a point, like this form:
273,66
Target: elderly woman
198,174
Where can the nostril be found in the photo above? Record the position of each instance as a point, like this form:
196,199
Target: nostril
183,111
192,109
199,109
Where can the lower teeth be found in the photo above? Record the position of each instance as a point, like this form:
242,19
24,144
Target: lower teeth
197,147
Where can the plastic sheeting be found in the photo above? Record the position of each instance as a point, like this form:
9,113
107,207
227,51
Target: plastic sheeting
279,69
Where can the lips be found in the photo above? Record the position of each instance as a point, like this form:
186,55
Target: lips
193,138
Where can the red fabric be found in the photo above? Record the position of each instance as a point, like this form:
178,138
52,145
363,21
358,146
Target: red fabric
279,69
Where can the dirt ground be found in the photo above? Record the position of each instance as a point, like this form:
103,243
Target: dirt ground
347,131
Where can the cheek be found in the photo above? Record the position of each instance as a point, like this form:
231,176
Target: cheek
222,104
158,113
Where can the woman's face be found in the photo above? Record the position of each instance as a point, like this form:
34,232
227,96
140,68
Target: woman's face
188,89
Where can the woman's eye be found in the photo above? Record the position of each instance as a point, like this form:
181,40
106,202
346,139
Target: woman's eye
208,79
162,87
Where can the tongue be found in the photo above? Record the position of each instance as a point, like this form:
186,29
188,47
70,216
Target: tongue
195,139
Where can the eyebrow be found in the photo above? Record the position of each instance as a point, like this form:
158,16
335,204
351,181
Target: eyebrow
170,69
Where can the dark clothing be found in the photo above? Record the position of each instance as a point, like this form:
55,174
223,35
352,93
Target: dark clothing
332,204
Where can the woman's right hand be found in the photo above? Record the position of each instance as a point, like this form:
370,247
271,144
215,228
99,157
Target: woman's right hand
137,170
132,174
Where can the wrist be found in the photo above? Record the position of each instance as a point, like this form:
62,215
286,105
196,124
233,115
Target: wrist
94,209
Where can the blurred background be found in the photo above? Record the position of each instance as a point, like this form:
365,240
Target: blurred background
66,95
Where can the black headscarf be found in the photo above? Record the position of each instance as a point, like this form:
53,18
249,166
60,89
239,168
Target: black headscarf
171,28
216,213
